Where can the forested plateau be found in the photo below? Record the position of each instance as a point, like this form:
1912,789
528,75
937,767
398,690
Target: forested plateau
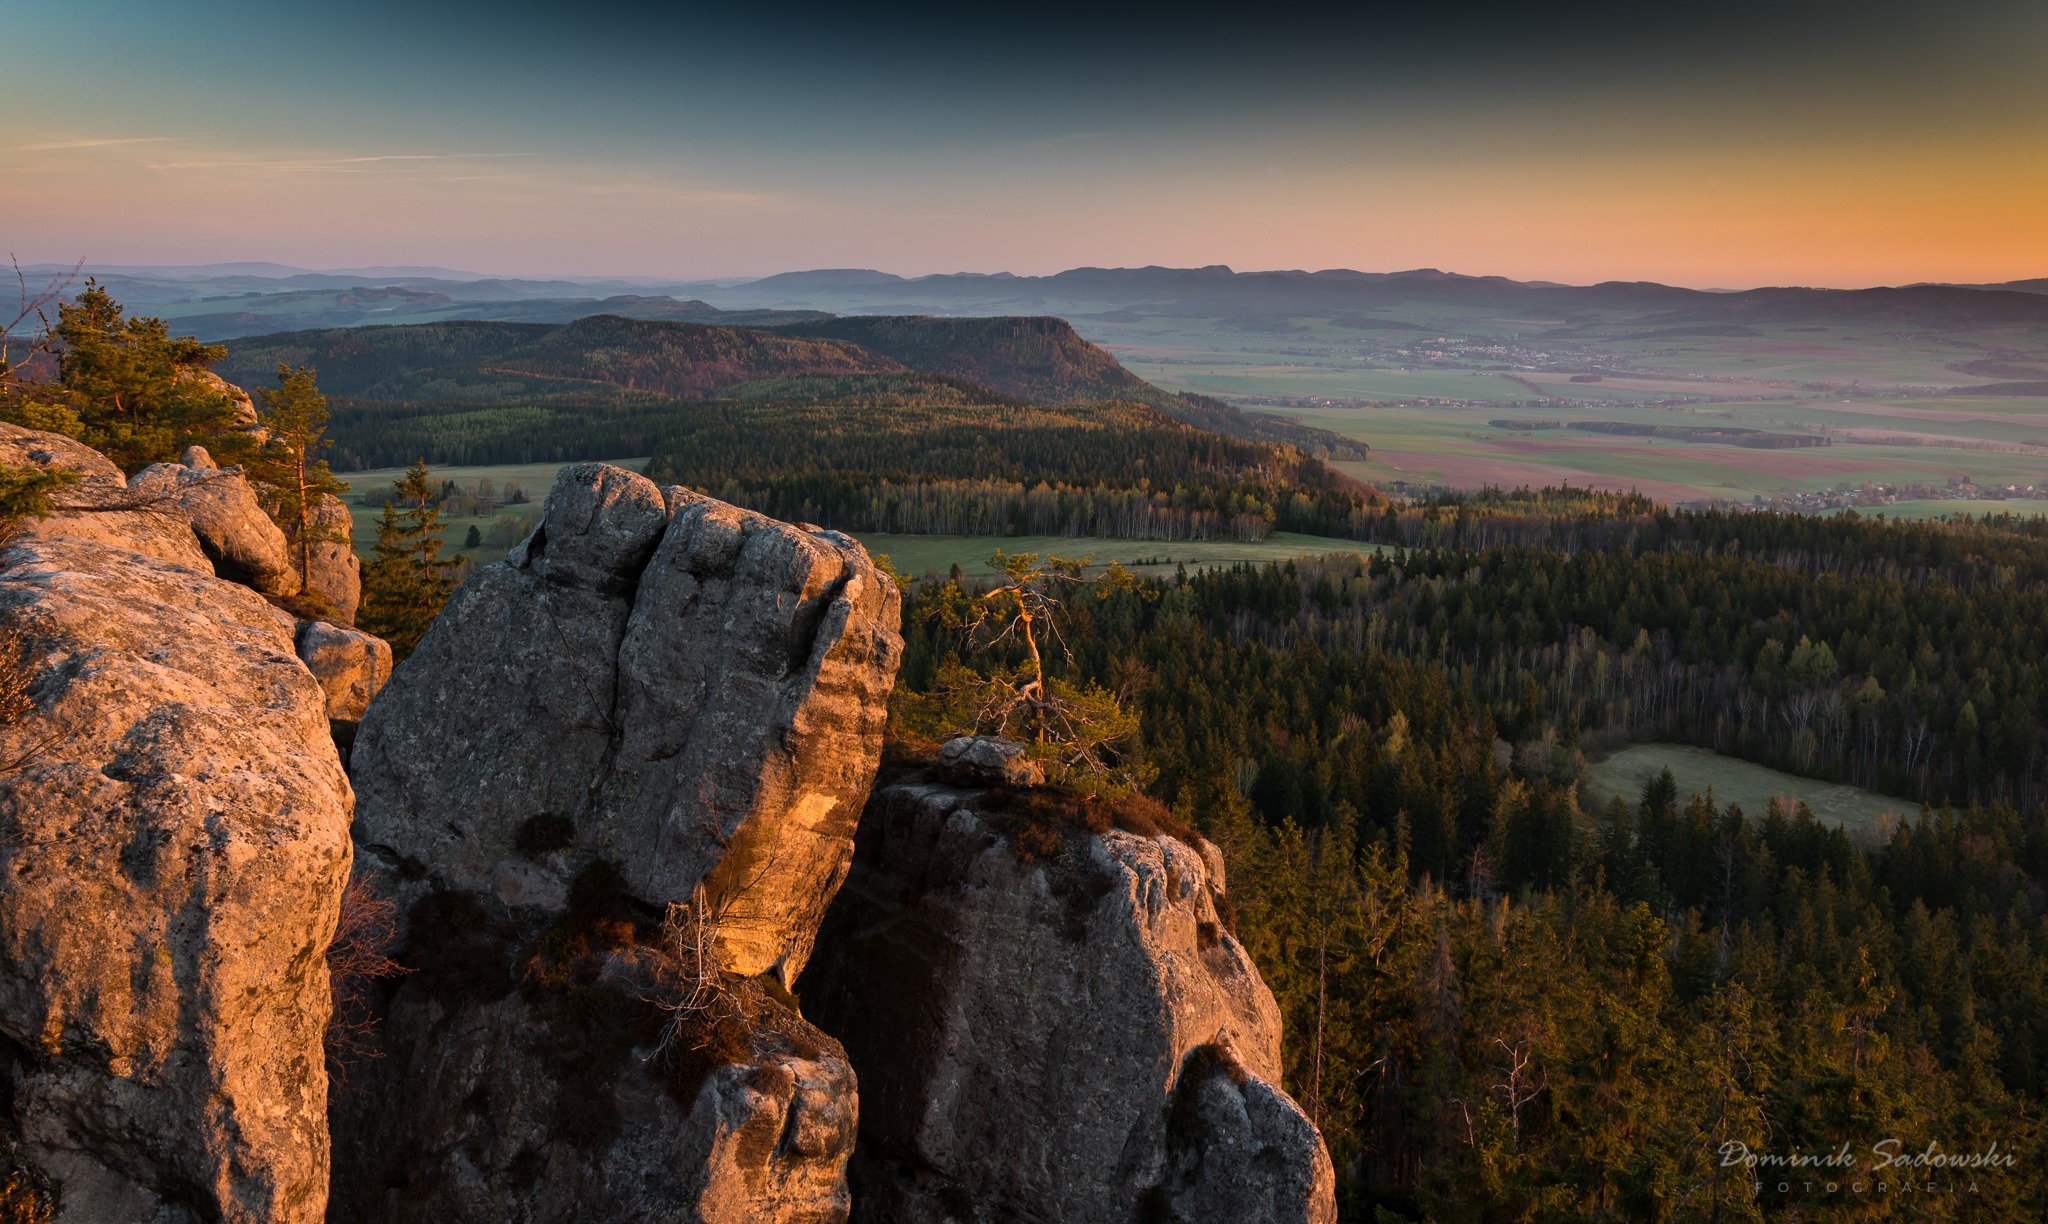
515,392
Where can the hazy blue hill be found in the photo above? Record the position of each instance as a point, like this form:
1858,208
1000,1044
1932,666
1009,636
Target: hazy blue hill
1218,292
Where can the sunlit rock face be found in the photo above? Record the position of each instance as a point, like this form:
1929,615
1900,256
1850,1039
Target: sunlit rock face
334,574
691,692
244,545
350,665
173,841
655,697
1066,1034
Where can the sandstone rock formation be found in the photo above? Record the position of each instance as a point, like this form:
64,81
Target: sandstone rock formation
1073,1037
512,1086
244,545
656,698
350,665
986,760
174,840
334,574
689,691
244,407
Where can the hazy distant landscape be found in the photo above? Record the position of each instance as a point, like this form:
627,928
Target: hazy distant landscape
1805,399
825,614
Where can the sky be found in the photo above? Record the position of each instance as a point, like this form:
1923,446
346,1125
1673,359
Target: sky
1726,145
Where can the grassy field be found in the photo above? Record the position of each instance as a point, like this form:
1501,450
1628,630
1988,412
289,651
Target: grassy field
368,491
916,555
1864,815
1855,383
912,555
1900,441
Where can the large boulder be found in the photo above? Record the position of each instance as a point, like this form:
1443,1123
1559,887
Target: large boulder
243,543
986,760
655,699
1053,1023
333,572
174,841
350,665
691,692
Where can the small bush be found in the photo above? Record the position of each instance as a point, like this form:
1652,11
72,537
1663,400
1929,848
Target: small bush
356,960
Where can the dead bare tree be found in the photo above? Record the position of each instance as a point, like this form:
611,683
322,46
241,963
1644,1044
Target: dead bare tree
29,334
1521,1083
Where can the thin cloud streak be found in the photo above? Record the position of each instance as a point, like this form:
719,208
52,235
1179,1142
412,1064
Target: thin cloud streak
100,142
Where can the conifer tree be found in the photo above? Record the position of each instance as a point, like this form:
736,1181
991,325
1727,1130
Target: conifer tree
407,580
132,389
292,480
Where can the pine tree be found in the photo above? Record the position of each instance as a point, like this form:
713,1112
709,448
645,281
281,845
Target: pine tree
133,387
407,580
294,419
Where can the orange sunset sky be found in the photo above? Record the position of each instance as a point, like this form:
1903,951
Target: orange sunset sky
1830,145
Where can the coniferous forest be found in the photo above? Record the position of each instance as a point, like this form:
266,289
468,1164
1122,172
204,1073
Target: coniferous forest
1504,1001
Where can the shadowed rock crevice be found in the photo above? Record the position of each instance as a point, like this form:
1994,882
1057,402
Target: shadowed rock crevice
1041,1006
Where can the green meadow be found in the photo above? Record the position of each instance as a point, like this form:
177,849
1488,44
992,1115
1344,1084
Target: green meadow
912,555
1865,815
916,555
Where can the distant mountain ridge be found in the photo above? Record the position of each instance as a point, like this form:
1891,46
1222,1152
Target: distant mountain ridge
224,301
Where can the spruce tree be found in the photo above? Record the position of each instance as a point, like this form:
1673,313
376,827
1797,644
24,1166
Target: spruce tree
292,480
407,580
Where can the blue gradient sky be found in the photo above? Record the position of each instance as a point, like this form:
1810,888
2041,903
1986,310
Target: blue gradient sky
1819,143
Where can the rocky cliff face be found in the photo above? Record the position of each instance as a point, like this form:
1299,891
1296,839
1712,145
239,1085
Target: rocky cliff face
174,840
1065,1034
656,699
690,692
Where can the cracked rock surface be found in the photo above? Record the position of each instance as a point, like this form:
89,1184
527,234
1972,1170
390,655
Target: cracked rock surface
655,691
1072,1037
686,690
174,840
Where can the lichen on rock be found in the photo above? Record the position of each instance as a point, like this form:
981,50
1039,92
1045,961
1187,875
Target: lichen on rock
174,837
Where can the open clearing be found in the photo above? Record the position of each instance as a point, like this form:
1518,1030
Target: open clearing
916,555
1933,443
1865,815
912,555
367,491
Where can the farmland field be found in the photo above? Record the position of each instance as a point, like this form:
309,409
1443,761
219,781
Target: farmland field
1921,445
1421,384
1865,815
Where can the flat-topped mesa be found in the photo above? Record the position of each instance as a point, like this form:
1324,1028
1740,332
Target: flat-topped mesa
174,841
690,692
